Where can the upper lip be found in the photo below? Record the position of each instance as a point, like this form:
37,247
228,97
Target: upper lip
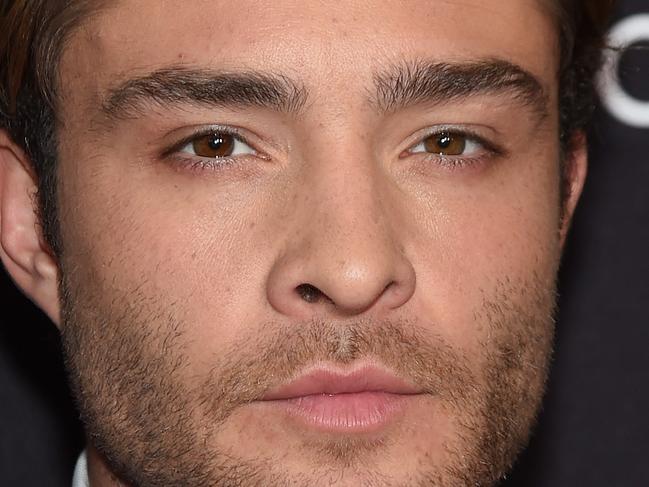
328,380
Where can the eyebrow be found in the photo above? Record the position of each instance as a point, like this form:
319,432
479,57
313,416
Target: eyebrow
396,87
409,84
173,86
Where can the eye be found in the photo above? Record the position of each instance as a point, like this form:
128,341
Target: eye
448,144
216,145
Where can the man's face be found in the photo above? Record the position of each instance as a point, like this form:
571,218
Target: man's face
310,242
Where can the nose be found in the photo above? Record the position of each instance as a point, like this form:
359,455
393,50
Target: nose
345,254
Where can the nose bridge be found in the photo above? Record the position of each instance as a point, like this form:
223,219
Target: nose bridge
345,245
350,202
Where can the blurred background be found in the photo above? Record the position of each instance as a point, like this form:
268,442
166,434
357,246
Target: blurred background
594,428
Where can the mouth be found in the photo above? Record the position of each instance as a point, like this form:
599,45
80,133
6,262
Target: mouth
328,399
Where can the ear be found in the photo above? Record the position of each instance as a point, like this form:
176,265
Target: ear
23,251
575,168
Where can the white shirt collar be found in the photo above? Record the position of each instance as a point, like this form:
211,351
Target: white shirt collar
80,478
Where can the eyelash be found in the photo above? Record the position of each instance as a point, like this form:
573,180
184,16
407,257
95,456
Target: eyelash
201,163
489,149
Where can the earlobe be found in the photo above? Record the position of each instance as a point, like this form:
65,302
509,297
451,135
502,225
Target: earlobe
23,251
575,168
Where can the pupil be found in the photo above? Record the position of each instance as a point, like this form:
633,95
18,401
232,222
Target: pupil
215,142
445,141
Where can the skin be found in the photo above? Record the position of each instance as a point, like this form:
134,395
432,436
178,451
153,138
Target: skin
176,289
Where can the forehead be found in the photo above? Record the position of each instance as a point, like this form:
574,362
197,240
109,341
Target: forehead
322,42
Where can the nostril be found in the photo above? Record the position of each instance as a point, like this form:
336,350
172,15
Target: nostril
309,293
390,284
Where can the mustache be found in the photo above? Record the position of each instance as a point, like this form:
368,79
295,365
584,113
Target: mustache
254,364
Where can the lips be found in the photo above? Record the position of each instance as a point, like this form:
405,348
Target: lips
331,400
329,381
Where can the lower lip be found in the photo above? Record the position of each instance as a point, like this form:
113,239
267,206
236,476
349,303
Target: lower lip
346,413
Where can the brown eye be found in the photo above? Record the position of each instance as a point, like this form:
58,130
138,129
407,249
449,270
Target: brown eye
214,146
446,144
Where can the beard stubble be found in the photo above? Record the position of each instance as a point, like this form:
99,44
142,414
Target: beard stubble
127,361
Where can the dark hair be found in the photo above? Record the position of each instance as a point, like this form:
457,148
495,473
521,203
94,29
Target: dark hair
583,25
33,34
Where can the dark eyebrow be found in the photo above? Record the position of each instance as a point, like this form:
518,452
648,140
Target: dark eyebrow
178,86
408,84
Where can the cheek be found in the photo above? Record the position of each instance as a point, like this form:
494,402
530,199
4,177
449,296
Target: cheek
195,253
204,250
502,233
